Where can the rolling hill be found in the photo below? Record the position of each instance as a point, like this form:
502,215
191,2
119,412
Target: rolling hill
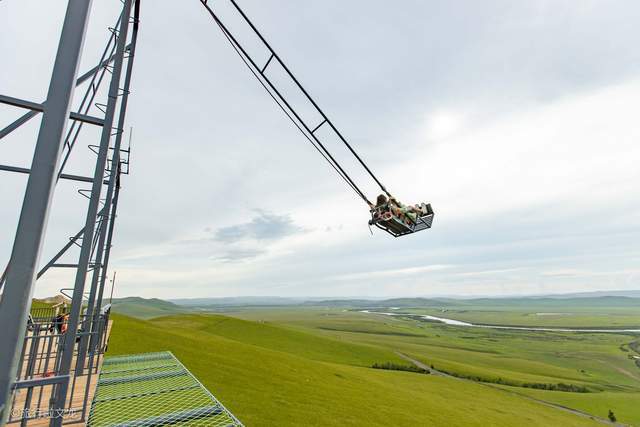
145,308
271,375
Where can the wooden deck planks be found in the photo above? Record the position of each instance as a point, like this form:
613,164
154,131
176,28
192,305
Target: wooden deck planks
77,389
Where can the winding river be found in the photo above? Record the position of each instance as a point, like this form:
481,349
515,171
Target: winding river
453,322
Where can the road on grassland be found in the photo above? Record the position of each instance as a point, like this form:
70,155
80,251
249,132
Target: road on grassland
421,365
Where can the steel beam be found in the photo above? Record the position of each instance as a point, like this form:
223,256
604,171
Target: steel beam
71,177
106,235
34,106
83,78
54,259
31,114
104,271
92,212
27,246
61,252
40,381
17,123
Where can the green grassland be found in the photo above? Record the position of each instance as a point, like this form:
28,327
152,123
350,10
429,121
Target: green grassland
621,403
616,312
312,366
599,363
595,312
145,308
615,317
36,304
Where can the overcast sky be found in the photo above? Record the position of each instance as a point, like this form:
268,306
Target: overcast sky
518,121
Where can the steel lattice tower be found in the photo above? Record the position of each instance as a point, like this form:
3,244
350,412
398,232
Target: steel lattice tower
77,349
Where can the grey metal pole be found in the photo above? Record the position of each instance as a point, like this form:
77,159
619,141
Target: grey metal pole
117,165
92,211
101,250
16,299
104,272
113,284
93,306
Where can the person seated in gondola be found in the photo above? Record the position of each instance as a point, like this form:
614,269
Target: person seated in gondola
385,209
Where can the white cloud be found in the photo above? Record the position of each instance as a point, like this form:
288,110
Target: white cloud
581,150
397,272
523,137
442,124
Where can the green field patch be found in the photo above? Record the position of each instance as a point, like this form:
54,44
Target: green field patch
360,331
625,406
145,308
542,316
277,338
269,387
590,360
593,361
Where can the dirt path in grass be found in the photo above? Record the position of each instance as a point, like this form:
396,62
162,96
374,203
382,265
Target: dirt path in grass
543,402
626,373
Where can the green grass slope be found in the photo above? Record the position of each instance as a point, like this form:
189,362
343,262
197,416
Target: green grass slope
145,308
595,403
603,363
276,376
279,338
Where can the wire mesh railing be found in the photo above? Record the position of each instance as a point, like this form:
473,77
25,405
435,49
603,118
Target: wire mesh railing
154,389
38,371
42,314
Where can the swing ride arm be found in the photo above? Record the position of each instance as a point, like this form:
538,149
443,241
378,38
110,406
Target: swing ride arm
261,70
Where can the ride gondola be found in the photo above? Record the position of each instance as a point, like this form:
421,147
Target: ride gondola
399,224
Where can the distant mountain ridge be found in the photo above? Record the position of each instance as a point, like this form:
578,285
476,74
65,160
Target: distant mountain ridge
393,302
584,299
592,294
237,301
604,301
145,308
58,299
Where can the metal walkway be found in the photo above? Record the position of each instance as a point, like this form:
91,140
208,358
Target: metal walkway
154,389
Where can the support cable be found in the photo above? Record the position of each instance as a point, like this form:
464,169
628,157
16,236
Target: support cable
324,116
253,66
342,175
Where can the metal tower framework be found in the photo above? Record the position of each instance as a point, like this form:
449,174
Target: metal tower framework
39,363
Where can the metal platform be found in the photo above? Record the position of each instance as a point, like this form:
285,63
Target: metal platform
154,389
398,227
38,378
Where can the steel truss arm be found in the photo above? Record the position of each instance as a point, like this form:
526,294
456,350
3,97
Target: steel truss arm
83,78
29,105
31,114
261,73
56,257
65,248
67,176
